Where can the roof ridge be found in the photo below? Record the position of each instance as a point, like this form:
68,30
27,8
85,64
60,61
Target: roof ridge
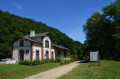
37,35
59,46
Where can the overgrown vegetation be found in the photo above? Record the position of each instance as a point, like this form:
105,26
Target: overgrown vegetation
13,26
103,30
107,70
65,61
40,62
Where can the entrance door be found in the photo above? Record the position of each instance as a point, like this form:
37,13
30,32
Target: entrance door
22,55
64,54
37,55
52,55
46,54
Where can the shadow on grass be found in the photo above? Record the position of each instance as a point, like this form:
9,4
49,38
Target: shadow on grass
84,61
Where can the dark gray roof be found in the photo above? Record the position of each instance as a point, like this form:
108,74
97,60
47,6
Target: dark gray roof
31,40
43,34
37,35
60,47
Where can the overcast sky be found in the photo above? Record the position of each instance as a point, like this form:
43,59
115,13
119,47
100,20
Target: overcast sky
66,15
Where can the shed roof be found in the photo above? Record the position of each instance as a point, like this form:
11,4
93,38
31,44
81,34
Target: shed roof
60,47
32,40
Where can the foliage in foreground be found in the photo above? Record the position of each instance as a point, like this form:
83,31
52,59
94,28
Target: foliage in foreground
107,70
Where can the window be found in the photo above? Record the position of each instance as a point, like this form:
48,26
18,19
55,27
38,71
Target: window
46,54
21,42
37,54
47,44
52,55
21,53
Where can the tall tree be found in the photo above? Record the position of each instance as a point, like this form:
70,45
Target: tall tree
112,13
99,32
104,30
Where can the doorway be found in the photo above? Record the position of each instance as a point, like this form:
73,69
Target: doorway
65,54
52,55
21,55
46,54
37,54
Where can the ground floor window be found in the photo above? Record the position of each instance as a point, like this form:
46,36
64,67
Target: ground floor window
21,53
37,54
46,54
52,55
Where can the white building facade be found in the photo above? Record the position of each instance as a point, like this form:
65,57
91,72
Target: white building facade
37,46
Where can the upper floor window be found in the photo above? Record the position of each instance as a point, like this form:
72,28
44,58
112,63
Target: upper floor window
37,54
21,42
47,44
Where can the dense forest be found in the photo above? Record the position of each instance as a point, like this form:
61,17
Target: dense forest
13,26
103,30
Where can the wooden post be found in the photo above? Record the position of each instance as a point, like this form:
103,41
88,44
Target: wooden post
98,58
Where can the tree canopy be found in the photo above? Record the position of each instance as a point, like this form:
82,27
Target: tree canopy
103,30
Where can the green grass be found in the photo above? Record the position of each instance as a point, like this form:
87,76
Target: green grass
20,71
106,70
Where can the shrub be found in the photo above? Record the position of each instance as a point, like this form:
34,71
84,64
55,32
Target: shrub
39,62
75,57
36,62
52,60
58,59
62,62
27,62
67,61
21,62
72,60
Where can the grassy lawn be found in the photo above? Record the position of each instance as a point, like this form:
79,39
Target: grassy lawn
20,71
107,70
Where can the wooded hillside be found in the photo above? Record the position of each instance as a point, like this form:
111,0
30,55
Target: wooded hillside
13,26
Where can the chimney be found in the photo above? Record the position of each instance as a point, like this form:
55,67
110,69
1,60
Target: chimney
32,33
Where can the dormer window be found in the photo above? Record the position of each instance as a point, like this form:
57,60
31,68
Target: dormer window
47,44
21,42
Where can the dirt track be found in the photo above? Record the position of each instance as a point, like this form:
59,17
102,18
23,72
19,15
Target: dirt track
54,73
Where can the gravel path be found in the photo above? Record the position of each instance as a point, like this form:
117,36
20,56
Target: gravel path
55,72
